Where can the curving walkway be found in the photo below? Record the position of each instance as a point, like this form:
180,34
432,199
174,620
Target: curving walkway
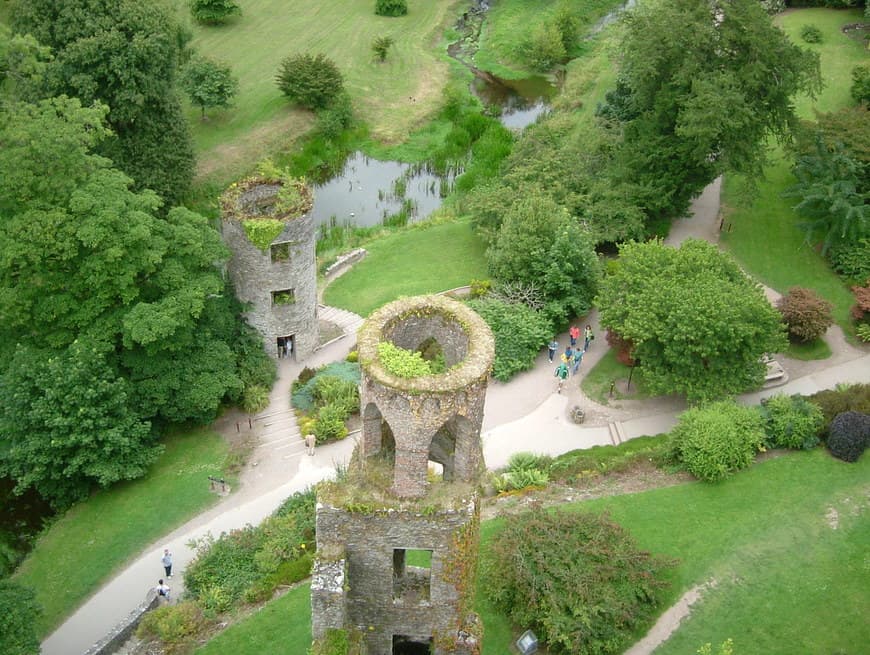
525,414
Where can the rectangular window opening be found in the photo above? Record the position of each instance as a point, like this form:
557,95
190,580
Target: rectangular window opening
283,297
412,575
280,252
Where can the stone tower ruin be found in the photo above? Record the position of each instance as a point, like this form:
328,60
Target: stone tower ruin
265,224
396,545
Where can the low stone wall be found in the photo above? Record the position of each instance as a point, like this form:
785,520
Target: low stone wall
345,261
124,630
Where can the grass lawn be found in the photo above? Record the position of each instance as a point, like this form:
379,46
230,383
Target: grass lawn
787,581
817,349
764,236
510,22
281,627
269,30
423,259
596,384
785,576
94,539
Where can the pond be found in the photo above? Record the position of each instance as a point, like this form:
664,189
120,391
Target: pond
368,191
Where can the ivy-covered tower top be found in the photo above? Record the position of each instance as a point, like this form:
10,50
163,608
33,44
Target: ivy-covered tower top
271,236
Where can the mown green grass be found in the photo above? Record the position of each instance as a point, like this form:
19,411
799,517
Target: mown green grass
816,349
786,578
508,24
764,234
424,259
596,383
93,540
391,97
281,627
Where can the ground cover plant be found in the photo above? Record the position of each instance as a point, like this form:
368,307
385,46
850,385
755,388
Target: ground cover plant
113,525
424,259
762,231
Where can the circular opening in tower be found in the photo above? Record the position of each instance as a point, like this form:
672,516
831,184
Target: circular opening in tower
426,343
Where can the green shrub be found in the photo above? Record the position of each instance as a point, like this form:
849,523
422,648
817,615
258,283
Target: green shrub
338,642
381,45
480,288
255,399
544,48
523,470
860,90
520,333
18,614
862,331
286,574
262,231
791,422
336,118
224,566
213,12
391,7
852,259
401,362
333,390
811,34
303,388
845,398
715,440
806,314
577,579
330,423
312,81
849,435
174,625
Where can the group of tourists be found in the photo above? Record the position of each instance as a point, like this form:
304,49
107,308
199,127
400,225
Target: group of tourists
573,355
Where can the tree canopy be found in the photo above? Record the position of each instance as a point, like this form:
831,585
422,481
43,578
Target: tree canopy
699,326
702,86
124,54
112,315
209,83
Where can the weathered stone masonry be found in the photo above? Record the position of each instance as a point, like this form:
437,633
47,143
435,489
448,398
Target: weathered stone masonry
362,580
257,275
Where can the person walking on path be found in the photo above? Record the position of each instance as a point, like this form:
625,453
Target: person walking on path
163,590
552,347
568,355
574,333
562,375
166,560
578,359
587,337
310,442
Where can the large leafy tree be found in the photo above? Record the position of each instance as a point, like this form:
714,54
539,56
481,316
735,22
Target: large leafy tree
85,260
124,54
540,245
698,324
67,423
703,85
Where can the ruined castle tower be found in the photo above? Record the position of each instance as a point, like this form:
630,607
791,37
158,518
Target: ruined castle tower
266,225
397,545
